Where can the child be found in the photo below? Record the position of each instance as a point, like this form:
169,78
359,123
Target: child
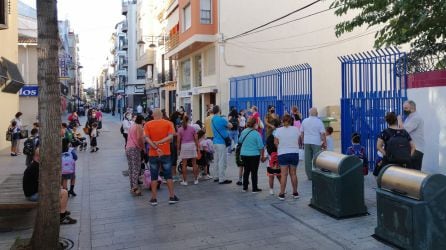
14,132
93,138
358,150
273,169
69,158
329,138
207,151
78,140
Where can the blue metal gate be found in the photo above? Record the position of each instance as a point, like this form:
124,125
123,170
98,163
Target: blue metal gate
373,83
283,88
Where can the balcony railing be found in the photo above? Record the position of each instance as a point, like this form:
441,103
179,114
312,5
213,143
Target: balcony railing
124,27
125,46
172,42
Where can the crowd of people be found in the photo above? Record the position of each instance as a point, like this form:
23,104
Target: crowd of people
158,142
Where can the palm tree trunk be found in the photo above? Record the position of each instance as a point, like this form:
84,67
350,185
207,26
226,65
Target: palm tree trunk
47,225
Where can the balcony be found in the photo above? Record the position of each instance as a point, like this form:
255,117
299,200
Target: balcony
124,27
147,58
125,46
125,64
172,42
125,7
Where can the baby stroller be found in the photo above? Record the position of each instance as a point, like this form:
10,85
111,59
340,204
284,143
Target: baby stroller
200,162
79,142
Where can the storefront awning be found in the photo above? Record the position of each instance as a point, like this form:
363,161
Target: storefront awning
204,90
14,80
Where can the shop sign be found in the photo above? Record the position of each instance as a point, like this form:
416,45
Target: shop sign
28,90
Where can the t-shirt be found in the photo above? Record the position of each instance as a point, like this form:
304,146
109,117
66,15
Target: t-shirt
242,123
187,135
312,127
288,140
330,143
208,126
252,143
157,130
206,145
219,129
31,179
414,125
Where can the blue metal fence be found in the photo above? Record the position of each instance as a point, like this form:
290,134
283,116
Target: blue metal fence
373,83
283,88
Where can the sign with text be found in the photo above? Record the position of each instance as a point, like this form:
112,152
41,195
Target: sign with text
29,90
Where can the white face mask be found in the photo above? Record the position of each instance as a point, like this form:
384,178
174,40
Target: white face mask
129,117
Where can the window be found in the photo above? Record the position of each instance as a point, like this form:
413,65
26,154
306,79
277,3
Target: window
187,21
185,74
4,14
140,74
205,11
197,71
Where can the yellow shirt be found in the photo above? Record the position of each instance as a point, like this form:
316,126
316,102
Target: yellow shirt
208,126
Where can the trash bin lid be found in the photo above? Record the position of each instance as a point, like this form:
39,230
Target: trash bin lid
403,181
329,160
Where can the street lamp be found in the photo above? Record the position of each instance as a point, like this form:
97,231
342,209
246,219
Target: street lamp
77,82
152,44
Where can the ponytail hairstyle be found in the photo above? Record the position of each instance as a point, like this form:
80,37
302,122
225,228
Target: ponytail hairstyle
287,120
185,121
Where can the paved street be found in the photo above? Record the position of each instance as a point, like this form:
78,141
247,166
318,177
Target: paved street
208,216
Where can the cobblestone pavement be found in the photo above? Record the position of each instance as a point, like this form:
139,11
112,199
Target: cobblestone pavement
208,216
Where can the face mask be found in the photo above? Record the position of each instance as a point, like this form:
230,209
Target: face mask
129,117
94,116
407,112
272,111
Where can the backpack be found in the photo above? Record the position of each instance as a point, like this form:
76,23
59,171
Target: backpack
29,146
122,129
234,122
398,147
360,153
68,163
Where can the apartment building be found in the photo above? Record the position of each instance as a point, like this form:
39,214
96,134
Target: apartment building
119,65
11,79
193,34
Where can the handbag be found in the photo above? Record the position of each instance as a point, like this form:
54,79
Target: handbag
99,124
238,149
8,135
86,130
228,141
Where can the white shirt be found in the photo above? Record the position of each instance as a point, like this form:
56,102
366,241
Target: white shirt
288,140
414,125
196,127
242,122
312,127
126,124
330,143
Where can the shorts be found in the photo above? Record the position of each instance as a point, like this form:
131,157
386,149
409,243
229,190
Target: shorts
291,159
68,176
163,161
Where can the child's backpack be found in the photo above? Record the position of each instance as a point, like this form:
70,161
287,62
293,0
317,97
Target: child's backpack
148,180
29,146
359,151
398,147
68,163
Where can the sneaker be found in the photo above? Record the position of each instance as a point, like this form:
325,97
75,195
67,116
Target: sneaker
225,182
296,195
173,200
239,183
207,177
271,191
216,180
244,190
153,202
13,154
96,150
281,197
196,182
183,183
254,191
67,220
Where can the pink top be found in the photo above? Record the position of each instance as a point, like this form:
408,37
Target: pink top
187,135
132,140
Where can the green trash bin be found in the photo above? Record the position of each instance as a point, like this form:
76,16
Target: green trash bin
411,208
338,185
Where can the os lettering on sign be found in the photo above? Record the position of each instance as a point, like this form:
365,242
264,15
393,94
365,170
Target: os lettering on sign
29,91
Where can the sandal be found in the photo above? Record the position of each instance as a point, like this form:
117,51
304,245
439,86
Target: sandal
136,192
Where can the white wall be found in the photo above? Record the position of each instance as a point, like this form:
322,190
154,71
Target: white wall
291,44
431,103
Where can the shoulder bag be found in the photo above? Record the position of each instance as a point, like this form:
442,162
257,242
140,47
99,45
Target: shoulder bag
238,149
228,141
